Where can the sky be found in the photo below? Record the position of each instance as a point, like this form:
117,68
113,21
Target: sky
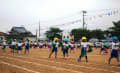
28,13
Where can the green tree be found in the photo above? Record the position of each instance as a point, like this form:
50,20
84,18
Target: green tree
115,30
54,32
97,33
78,33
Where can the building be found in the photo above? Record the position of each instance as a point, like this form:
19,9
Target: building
67,36
2,36
20,33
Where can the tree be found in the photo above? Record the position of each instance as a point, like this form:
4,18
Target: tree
97,33
54,32
115,30
78,33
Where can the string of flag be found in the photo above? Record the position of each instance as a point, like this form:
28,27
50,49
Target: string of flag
106,12
90,18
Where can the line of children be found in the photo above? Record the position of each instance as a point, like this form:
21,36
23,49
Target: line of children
17,47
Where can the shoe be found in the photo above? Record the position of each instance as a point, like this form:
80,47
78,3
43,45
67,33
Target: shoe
79,60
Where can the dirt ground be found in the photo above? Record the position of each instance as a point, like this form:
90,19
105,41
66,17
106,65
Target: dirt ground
38,62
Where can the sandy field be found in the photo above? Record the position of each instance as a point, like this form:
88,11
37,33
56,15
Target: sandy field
38,62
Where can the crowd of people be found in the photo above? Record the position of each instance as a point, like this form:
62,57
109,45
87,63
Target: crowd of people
66,46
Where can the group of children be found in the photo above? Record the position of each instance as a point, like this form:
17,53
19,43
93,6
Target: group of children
66,46
70,45
16,46
87,47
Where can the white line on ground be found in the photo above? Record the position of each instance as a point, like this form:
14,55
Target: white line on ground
71,64
12,65
88,63
54,67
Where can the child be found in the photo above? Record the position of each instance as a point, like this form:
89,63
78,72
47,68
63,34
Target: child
54,49
72,46
114,50
90,44
4,45
84,45
102,47
27,46
20,44
65,48
13,46
41,44
50,45
35,44
78,45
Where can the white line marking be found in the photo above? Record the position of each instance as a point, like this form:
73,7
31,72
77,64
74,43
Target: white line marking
12,65
54,67
88,63
70,64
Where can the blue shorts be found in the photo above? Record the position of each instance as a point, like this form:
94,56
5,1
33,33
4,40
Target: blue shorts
114,53
19,48
83,50
10,46
13,47
35,46
27,47
78,46
62,48
4,46
102,49
40,46
54,49
89,47
69,45
65,51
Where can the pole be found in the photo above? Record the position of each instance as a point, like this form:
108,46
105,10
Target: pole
84,12
36,34
39,29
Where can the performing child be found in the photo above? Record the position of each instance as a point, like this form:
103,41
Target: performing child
84,46
114,50
65,48
19,44
27,46
54,48
4,45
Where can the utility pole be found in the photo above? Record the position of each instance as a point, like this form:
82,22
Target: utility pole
39,29
36,34
84,12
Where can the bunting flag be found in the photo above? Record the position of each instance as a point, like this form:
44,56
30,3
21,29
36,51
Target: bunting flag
108,12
